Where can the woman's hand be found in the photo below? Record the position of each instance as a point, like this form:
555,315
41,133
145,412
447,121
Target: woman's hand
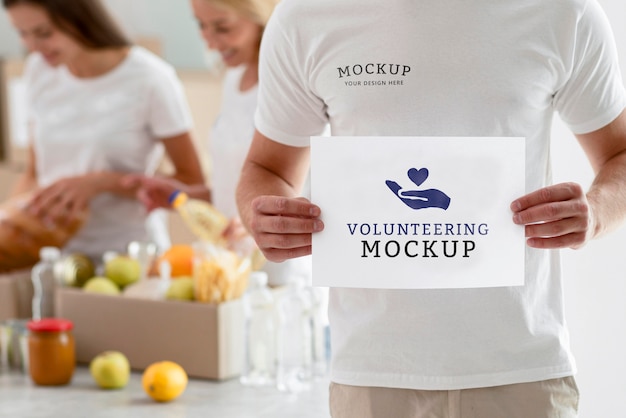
64,200
235,230
153,192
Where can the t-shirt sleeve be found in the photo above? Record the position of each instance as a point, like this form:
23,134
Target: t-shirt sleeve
288,111
169,113
593,95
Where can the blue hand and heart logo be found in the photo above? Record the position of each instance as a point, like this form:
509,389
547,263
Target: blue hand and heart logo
419,198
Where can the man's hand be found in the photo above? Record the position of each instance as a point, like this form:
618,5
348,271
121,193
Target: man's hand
557,216
282,227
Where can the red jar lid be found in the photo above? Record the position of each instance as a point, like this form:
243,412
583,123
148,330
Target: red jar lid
50,325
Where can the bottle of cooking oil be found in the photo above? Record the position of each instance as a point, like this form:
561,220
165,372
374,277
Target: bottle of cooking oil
202,218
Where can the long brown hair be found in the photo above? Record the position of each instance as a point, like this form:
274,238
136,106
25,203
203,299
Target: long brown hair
87,21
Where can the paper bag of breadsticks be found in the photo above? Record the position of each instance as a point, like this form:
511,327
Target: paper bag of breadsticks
22,235
219,274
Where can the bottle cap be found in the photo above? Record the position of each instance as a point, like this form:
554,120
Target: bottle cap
50,325
177,198
258,278
49,253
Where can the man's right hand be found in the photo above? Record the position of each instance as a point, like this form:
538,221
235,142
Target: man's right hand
282,227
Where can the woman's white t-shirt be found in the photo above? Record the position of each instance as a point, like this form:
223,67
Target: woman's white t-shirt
113,122
230,140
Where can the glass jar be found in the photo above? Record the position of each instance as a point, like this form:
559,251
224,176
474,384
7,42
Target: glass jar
14,345
51,351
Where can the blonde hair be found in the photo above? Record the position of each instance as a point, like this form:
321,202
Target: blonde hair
258,11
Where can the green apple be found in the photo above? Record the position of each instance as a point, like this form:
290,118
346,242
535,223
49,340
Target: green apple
110,370
101,285
180,289
122,270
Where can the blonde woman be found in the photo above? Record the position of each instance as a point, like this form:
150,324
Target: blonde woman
234,29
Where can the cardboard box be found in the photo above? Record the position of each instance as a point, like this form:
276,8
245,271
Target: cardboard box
205,339
16,295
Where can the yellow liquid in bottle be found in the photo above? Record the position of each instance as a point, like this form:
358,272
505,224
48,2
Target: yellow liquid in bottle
204,221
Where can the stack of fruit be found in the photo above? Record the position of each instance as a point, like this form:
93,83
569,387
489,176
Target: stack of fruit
180,260
202,273
119,272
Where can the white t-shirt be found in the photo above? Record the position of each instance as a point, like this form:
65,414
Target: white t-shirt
231,137
443,68
113,122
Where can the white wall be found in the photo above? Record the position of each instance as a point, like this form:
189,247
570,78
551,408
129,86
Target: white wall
9,41
595,278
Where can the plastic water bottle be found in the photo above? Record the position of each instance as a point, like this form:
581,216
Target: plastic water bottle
295,339
319,326
260,333
44,282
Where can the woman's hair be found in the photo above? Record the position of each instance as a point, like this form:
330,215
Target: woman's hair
87,21
258,11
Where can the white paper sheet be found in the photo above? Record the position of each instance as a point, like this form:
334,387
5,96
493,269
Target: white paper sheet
417,212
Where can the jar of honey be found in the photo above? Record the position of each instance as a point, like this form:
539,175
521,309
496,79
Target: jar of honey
51,351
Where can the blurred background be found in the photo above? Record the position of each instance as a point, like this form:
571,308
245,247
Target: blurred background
171,22
595,275
166,27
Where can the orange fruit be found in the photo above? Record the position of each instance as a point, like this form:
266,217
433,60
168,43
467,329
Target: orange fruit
180,257
164,381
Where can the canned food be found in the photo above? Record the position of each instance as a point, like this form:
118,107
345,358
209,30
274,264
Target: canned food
74,270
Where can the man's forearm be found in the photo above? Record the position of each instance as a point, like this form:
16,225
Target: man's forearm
607,195
257,181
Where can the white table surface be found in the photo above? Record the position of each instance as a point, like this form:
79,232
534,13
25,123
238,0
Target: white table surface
20,398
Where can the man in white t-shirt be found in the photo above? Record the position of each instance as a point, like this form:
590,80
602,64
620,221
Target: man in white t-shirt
447,68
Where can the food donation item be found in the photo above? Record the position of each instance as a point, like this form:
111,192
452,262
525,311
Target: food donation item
110,370
219,274
74,270
22,235
202,218
164,381
180,259
101,285
122,270
51,351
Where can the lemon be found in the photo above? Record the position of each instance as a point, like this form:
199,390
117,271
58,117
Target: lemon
164,381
